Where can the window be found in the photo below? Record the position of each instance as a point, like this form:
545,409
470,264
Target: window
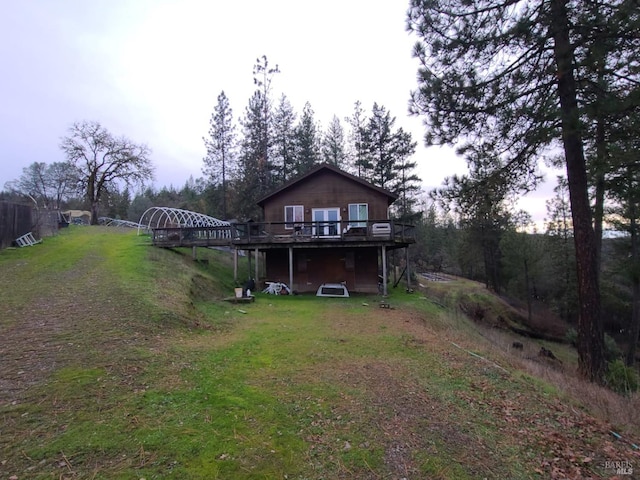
358,214
326,222
293,214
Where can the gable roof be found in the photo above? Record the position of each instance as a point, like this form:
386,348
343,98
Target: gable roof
328,167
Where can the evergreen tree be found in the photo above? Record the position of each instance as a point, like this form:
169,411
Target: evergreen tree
559,231
407,184
220,160
357,154
284,140
333,144
609,80
436,236
480,201
120,203
254,175
506,73
307,142
140,204
522,252
192,197
263,75
381,149
624,189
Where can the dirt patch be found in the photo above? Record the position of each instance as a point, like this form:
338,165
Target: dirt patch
403,418
387,399
77,316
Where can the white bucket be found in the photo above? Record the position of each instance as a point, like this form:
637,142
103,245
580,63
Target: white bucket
238,293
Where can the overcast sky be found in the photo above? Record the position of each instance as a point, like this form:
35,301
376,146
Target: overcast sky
151,70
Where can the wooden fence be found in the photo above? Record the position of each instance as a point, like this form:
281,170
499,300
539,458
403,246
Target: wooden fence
15,220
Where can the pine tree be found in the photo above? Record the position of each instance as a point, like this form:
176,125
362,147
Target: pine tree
257,175
357,154
284,140
559,231
609,80
385,162
307,141
263,77
624,190
219,163
522,252
333,144
506,73
407,185
380,146
254,175
480,201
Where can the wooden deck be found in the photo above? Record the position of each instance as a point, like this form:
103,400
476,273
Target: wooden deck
280,235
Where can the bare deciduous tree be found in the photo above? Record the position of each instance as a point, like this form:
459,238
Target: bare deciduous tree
103,160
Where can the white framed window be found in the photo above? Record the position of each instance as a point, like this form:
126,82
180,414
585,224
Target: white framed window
358,214
293,216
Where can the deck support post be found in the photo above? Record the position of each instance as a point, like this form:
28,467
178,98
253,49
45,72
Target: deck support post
407,268
256,276
384,270
235,264
291,268
194,253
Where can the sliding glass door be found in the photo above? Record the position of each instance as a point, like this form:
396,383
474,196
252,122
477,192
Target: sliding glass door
326,222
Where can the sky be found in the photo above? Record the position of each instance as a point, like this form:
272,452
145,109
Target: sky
151,70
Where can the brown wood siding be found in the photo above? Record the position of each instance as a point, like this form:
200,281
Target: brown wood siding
313,267
367,270
326,189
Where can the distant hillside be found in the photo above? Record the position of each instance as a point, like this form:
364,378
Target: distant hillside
483,307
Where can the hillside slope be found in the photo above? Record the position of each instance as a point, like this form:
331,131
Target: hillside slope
120,360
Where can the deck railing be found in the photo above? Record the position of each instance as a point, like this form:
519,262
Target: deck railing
284,232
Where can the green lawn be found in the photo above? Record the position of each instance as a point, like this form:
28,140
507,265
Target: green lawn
121,360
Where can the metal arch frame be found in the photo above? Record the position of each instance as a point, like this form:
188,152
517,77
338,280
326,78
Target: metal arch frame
115,222
163,216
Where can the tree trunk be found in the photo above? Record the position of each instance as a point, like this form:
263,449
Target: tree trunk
94,213
590,331
527,289
634,326
598,216
224,186
93,198
600,144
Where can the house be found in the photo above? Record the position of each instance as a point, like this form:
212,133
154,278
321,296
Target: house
327,226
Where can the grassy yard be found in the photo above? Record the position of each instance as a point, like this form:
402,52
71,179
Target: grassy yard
122,361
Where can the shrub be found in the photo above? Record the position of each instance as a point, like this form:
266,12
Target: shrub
611,349
571,336
620,378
